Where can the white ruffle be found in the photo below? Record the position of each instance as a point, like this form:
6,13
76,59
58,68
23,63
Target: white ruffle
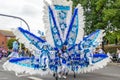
22,39
95,66
48,33
100,37
22,69
61,2
81,24
27,70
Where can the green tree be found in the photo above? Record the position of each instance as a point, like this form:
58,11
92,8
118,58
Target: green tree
101,14
113,37
10,42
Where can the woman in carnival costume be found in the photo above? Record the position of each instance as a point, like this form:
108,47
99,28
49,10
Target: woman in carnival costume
63,70
15,49
64,48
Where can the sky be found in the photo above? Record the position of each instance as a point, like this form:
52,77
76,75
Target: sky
30,10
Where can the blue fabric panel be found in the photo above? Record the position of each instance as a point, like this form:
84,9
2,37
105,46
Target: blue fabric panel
54,28
61,7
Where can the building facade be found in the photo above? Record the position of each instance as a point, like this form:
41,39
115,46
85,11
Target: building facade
4,37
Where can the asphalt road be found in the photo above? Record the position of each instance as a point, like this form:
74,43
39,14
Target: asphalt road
110,72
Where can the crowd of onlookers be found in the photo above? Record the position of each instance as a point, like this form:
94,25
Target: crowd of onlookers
6,53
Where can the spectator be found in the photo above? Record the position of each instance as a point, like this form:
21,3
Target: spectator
22,52
1,54
114,57
9,51
4,52
118,53
100,50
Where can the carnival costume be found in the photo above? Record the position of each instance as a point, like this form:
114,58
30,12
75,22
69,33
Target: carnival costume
64,45
15,49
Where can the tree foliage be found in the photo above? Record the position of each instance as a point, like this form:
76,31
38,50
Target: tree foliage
10,42
101,14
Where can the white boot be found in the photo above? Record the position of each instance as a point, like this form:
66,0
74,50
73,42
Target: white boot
90,61
64,77
59,75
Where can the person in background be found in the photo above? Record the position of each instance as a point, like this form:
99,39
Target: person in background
118,53
9,51
1,54
27,52
14,53
22,52
100,50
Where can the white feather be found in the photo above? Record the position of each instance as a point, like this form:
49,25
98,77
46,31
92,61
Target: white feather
97,65
23,69
48,33
81,24
21,38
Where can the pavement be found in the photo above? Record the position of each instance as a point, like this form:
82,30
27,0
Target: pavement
110,72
